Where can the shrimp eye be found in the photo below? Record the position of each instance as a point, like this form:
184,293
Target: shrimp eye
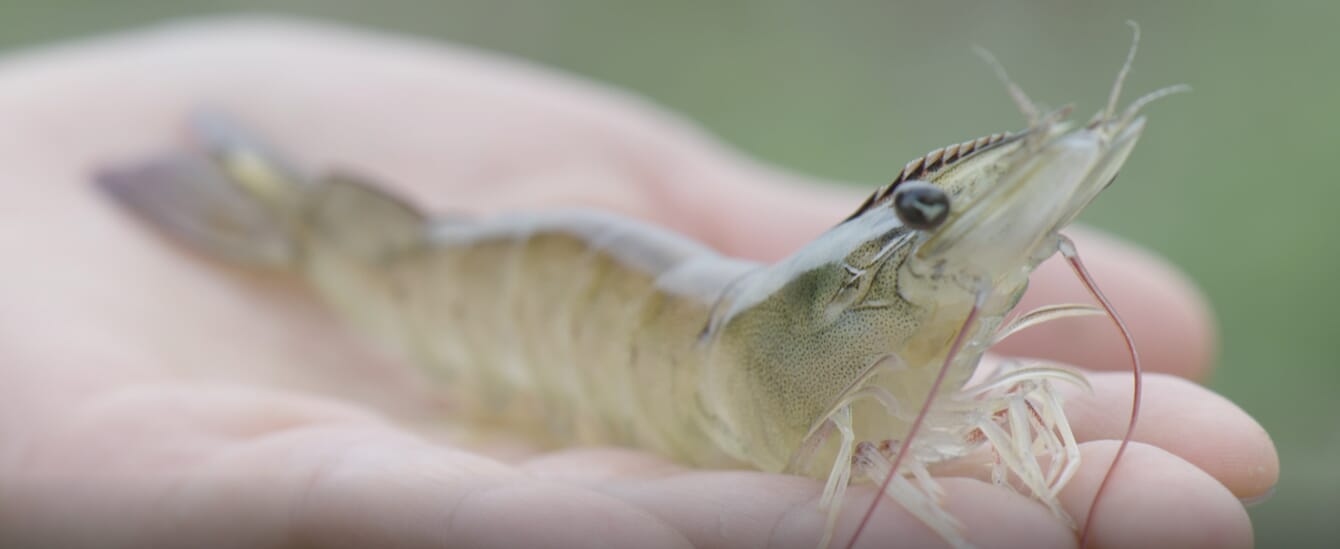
920,205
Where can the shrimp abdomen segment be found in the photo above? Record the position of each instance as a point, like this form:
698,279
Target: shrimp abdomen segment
580,326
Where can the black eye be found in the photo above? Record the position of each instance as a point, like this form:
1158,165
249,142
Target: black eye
920,205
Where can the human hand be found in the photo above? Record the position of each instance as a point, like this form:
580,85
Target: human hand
151,397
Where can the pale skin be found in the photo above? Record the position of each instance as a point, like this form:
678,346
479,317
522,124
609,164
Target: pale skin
151,396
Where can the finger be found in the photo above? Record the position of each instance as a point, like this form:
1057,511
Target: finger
1155,500
1177,416
1186,420
739,509
324,488
747,509
246,468
411,495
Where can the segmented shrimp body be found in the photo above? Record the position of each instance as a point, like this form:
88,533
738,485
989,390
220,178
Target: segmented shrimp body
859,350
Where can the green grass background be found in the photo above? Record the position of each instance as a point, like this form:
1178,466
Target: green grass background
1234,183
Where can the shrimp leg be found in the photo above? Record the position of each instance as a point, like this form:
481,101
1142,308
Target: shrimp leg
840,477
1014,450
873,464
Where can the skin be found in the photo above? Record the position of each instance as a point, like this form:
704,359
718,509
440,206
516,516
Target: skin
152,397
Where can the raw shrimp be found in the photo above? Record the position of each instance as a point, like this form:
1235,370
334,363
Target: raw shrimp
851,359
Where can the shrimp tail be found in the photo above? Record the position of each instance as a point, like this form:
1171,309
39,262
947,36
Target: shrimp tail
233,198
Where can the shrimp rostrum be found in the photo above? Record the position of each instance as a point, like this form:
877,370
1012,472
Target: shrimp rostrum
854,359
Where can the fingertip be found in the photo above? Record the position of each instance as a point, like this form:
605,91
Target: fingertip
1155,499
1197,425
988,516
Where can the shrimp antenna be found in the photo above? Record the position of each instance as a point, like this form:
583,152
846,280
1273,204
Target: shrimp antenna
1115,95
983,292
1067,249
1020,98
1151,97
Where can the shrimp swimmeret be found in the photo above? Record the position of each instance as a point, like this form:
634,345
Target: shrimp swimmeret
853,359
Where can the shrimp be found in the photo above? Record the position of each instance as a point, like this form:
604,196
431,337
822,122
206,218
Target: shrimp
855,358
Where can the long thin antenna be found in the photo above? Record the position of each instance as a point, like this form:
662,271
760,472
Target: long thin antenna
1115,95
1151,97
1067,249
1020,98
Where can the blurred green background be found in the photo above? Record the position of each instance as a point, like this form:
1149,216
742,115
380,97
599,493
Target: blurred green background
1230,182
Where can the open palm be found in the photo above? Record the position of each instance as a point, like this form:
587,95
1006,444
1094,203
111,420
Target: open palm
150,397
